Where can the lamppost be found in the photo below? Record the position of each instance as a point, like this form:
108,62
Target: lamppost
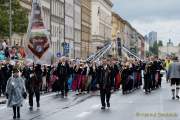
168,44
50,21
10,22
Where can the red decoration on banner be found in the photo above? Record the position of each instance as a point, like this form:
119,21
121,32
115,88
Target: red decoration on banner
38,40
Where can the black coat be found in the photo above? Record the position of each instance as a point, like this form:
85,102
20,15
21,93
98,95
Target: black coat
93,73
63,70
7,69
26,74
104,76
2,77
125,75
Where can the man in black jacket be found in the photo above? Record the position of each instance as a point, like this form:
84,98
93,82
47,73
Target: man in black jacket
7,72
2,81
63,73
35,83
105,82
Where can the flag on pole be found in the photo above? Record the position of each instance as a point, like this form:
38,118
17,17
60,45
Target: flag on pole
37,36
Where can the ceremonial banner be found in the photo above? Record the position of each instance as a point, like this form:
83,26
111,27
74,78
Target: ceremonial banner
38,36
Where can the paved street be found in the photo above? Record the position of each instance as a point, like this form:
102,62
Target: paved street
137,106
56,45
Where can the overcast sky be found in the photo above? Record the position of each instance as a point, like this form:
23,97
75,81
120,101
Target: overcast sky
162,16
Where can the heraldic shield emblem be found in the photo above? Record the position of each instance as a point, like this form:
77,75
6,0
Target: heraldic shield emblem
38,34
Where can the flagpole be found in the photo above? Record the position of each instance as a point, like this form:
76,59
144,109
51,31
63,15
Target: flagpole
10,22
50,20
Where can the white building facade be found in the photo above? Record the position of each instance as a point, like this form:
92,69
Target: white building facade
169,50
127,35
69,27
101,22
56,25
77,29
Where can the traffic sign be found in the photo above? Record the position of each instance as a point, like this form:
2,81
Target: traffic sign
58,54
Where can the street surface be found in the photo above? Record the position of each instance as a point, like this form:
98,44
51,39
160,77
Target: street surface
136,106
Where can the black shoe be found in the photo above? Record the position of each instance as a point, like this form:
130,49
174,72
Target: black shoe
14,117
103,108
38,105
18,116
177,97
108,105
173,98
31,108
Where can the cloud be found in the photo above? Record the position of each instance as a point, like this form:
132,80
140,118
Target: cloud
148,9
168,29
162,16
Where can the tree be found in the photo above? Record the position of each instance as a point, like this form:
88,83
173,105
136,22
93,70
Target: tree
148,53
19,18
154,49
160,43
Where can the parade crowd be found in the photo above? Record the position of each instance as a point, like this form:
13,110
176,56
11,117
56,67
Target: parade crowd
79,76
11,52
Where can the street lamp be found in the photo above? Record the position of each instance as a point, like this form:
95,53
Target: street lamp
10,22
50,20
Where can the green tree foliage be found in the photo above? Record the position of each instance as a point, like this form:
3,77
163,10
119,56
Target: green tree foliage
148,53
19,18
160,43
154,49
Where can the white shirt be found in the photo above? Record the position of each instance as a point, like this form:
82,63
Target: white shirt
4,45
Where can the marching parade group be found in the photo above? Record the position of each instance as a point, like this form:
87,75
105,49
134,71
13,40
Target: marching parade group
107,75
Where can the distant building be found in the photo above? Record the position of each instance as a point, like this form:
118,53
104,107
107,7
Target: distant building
169,43
146,43
77,28
101,22
152,38
128,35
118,26
86,28
169,50
69,27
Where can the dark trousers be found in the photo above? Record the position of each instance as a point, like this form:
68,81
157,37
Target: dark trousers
1,92
153,84
147,83
16,111
64,85
124,85
2,87
31,94
130,85
105,94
